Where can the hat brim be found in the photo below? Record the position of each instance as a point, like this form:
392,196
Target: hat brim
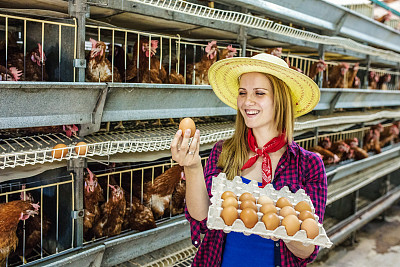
224,76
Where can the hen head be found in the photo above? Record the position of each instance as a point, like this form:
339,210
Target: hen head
117,193
70,130
354,142
38,56
90,182
98,49
150,50
343,147
344,67
321,65
212,49
394,130
275,51
25,214
231,51
326,143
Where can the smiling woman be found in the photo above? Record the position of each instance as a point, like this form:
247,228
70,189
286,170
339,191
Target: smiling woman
268,95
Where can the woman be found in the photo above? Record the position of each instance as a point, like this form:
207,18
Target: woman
268,96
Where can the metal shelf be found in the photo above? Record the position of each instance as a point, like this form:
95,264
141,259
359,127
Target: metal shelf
28,104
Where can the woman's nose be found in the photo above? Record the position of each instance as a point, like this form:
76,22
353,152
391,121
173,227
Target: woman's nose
250,100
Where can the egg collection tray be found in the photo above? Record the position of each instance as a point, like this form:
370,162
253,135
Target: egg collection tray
220,184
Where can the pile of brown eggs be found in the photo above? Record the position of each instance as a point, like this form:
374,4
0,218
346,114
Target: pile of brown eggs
293,218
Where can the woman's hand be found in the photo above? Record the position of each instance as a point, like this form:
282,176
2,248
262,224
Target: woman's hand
184,154
299,250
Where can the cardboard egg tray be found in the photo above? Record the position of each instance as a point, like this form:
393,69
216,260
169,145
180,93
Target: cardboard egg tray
220,184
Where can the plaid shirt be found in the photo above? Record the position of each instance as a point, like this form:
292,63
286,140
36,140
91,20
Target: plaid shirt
297,168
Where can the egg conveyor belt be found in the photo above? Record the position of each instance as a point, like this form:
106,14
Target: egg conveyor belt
31,150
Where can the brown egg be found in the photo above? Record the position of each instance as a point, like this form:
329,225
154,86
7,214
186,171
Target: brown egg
247,196
80,148
292,224
230,201
60,153
249,217
282,202
228,194
305,214
287,210
302,205
264,200
267,208
311,228
187,123
229,215
271,221
248,204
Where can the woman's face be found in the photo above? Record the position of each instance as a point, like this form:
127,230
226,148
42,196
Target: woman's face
256,100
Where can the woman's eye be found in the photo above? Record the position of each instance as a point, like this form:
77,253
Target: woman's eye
260,93
242,93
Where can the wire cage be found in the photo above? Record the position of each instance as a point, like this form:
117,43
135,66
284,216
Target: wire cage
51,231
40,50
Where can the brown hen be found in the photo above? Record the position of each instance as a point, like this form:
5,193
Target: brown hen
112,214
200,69
92,195
98,67
10,214
158,195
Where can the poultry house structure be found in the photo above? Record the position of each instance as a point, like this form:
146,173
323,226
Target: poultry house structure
92,93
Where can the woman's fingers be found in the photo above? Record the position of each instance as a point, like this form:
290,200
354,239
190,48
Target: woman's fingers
183,149
194,144
175,142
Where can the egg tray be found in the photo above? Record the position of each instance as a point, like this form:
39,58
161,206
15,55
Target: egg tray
220,184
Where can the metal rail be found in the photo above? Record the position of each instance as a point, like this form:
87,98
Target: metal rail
270,26
31,104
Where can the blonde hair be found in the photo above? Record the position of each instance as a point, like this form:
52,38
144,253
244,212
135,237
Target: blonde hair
235,150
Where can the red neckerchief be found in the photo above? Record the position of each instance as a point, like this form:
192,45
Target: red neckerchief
272,146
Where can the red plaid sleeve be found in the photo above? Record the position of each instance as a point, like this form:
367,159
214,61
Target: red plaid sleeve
210,170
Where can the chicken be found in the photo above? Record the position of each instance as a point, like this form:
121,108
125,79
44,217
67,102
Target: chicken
178,198
373,79
156,73
342,150
388,135
11,74
33,229
34,69
317,67
159,194
200,69
327,156
383,81
371,139
10,214
358,152
384,18
92,195
98,67
275,51
336,76
112,214
351,76
129,73
138,216
228,52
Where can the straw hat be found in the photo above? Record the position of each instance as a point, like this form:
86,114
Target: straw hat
224,76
